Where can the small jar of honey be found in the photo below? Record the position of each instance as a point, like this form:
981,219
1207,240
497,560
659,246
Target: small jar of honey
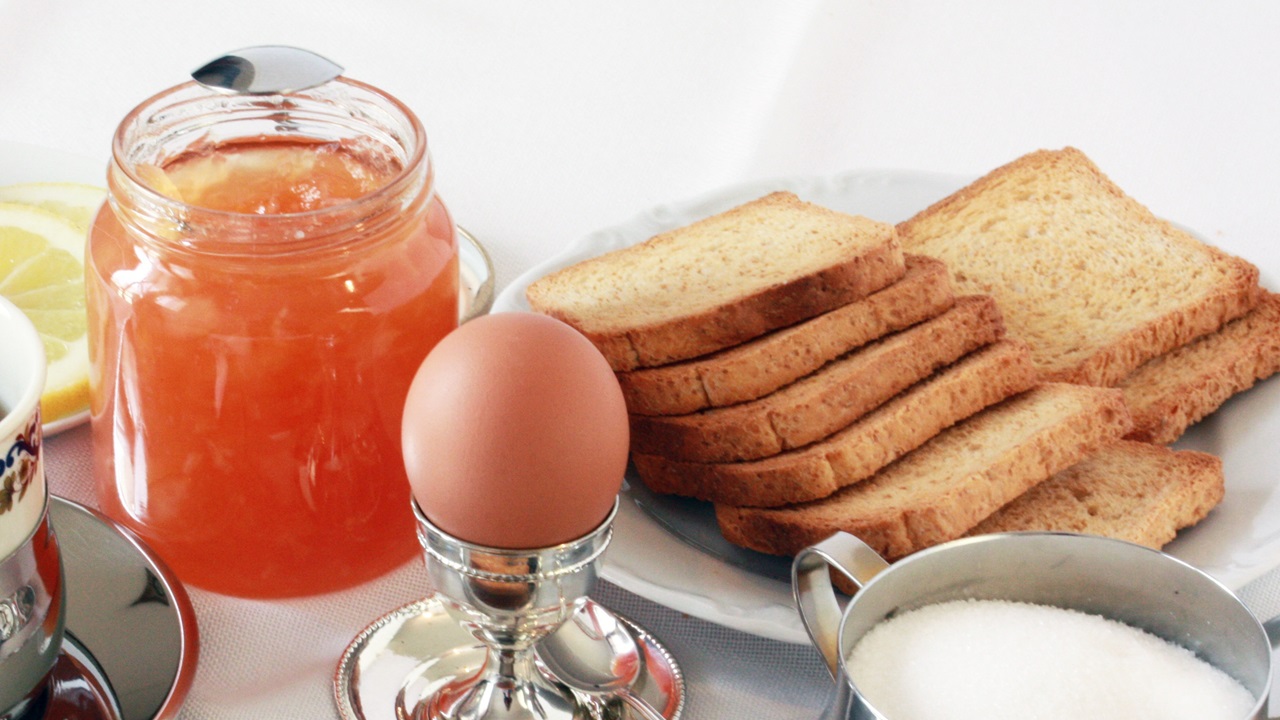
267,275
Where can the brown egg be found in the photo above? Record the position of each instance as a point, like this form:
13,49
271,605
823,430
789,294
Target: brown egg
515,433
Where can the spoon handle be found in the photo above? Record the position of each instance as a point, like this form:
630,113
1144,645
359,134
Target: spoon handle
266,70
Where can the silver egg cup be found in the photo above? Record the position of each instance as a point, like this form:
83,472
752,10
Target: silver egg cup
509,600
490,641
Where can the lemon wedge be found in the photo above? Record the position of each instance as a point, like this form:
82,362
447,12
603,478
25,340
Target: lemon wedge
73,201
42,272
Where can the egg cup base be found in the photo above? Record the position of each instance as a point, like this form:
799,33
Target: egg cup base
394,667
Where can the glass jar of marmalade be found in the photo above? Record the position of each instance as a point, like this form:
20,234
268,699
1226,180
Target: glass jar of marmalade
265,279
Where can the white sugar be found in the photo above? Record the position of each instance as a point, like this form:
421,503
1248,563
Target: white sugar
992,659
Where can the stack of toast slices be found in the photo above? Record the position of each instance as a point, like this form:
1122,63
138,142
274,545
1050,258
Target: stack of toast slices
1014,357
1103,291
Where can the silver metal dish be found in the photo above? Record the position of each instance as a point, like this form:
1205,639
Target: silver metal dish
406,655
76,687
127,613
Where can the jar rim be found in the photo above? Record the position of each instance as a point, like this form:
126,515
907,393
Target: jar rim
415,162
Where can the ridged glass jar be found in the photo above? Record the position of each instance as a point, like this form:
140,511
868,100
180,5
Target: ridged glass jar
249,365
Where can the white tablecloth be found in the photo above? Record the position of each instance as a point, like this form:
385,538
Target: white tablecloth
548,120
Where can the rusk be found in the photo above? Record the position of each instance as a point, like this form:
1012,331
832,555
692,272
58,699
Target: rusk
906,422
1092,280
941,490
720,281
758,367
825,401
1171,392
1127,490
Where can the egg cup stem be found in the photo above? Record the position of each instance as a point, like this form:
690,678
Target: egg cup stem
509,599
507,686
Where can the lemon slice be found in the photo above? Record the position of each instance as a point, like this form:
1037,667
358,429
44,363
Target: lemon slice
73,201
42,272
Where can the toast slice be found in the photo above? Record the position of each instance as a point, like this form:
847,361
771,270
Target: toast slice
825,401
981,379
1171,392
1127,490
758,367
1093,281
941,490
721,281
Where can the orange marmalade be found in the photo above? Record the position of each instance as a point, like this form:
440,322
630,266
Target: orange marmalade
262,287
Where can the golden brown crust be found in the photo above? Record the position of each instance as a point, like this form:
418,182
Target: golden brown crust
906,422
753,315
1011,198
1171,392
627,342
1132,491
930,496
758,367
1108,366
826,401
1046,160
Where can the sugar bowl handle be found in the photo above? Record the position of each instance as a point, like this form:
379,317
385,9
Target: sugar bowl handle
1272,628
816,597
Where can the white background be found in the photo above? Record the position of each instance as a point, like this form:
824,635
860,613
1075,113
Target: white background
549,120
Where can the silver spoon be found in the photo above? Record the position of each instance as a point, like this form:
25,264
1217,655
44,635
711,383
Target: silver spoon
267,70
597,656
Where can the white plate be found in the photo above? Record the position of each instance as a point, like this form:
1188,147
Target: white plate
669,551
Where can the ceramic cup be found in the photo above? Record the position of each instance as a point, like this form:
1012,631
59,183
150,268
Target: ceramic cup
1144,588
31,597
